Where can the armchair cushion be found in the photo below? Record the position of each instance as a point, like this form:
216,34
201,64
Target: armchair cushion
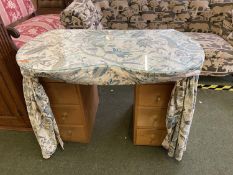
219,54
13,10
35,26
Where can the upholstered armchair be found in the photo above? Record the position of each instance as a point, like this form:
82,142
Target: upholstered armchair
22,23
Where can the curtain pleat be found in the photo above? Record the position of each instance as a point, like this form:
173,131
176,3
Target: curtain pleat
41,116
180,115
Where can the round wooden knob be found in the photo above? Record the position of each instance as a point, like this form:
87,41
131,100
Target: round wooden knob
152,137
64,116
69,132
155,120
158,99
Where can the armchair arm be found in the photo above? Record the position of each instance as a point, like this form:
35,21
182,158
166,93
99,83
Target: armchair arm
13,32
81,14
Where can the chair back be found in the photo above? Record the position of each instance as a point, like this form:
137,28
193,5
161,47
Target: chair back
13,10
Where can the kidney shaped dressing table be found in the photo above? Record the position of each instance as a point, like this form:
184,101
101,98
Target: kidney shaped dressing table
112,57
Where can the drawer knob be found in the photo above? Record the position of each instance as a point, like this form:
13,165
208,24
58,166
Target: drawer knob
155,121
69,132
64,116
152,137
158,99
154,117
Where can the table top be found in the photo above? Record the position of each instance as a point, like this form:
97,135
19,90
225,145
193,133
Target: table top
163,52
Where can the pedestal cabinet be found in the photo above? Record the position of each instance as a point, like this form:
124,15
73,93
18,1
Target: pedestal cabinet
150,108
74,107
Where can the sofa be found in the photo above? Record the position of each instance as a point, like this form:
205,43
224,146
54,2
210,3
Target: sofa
210,22
22,23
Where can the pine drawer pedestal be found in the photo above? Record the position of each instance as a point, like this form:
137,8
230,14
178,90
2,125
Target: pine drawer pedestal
74,108
150,109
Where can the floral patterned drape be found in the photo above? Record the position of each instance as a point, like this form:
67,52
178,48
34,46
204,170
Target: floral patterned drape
41,116
180,115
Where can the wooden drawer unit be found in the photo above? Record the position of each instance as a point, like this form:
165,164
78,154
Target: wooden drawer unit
150,108
62,93
154,95
69,114
151,117
74,133
150,137
74,107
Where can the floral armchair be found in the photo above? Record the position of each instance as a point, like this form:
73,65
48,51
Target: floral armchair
19,17
212,19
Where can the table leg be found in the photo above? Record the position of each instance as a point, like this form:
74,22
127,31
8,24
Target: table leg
179,116
41,116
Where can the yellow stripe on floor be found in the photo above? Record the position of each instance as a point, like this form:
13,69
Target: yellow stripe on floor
216,87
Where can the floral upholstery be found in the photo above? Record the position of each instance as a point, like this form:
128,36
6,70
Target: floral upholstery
205,16
83,13
122,14
150,14
35,26
218,52
13,10
227,27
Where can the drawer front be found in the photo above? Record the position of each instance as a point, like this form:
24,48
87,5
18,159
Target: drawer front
151,117
73,133
150,137
154,95
62,93
68,114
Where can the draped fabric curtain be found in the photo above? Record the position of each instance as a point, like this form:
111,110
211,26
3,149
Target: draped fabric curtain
179,116
178,121
41,116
